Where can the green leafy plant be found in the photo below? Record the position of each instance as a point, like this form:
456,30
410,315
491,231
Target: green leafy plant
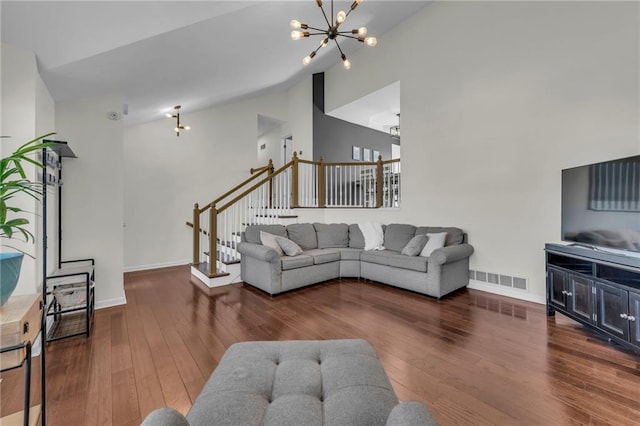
13,181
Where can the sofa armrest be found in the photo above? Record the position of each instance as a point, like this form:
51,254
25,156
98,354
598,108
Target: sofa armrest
259,252
451,253
165,417
410,413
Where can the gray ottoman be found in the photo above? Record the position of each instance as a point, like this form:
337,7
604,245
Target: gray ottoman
331,382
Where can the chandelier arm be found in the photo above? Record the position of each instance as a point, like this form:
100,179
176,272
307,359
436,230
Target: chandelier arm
337,44
325,15
321,33
348,36
317,29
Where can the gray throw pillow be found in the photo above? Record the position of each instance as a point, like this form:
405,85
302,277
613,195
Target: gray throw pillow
289,247
415,245
269,240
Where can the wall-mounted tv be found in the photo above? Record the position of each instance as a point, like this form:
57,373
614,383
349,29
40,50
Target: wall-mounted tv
601,204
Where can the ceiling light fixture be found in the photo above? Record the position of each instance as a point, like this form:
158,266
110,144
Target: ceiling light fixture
332,32
179,126
394,131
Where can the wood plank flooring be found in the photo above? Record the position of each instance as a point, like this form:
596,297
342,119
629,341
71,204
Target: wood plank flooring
474,358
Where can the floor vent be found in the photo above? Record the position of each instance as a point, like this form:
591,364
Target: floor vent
499,279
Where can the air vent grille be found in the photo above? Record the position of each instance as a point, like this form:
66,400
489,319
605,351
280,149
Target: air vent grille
499,279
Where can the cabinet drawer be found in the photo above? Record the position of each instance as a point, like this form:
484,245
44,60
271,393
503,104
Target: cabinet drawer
20,322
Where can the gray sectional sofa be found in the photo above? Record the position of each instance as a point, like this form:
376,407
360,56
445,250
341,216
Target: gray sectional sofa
337,250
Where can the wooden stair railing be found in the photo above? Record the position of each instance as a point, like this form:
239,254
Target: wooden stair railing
346,184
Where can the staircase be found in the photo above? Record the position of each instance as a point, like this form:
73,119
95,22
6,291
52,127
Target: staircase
270,196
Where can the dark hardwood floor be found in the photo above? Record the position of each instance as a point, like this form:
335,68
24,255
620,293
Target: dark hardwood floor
474,358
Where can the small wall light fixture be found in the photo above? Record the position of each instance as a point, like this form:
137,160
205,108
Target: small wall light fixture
179,125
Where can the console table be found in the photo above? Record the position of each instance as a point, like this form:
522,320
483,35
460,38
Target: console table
598,289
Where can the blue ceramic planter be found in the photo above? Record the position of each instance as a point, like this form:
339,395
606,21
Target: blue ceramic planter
10,264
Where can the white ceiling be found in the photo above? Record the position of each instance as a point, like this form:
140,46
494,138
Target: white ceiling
197,54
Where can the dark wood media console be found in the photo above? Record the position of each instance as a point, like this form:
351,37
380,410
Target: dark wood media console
596,288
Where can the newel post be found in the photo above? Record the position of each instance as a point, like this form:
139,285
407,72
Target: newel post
379,183
213,240
322,190
196,234
294,181
270,171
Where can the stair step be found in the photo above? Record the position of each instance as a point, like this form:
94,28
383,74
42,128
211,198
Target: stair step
228,261
204,268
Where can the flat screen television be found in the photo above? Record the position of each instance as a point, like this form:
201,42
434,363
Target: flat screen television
601,204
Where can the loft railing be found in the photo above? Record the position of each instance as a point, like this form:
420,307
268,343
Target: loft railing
271,195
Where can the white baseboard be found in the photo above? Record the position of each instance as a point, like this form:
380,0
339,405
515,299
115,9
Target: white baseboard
508,292
111,302
157,265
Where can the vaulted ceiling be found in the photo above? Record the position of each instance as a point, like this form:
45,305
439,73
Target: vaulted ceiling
197,54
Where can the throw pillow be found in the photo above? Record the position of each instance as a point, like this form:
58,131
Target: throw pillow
415,245
269,240
288,247
373,235
435,242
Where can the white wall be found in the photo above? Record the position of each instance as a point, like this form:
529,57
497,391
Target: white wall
272,140
166,174
27,112
92,204
496,99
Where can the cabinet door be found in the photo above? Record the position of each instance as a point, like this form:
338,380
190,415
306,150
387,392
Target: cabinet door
580,298
612,310
556,287
634,321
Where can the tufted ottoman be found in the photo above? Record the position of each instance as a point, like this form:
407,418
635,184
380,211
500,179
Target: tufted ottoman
331,382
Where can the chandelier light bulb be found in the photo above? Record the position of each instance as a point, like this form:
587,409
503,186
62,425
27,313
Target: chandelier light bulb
177,130
340,17
370,41
324,42
187,127
362,31
296,35
296,24
346,62
168,115
355,4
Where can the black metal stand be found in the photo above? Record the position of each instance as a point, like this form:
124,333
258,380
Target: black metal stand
27,375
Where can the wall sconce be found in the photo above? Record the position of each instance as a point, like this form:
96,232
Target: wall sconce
179,126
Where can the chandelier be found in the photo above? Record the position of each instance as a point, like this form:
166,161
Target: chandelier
179,126
332,32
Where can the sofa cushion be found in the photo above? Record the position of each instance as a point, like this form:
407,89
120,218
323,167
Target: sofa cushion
413,247
252,233
303,234
269,240
323,255
356,238
288,247
397,235
332,235
295,262
349,253
395,259
435,242
454,235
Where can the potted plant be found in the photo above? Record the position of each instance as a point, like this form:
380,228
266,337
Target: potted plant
13,182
